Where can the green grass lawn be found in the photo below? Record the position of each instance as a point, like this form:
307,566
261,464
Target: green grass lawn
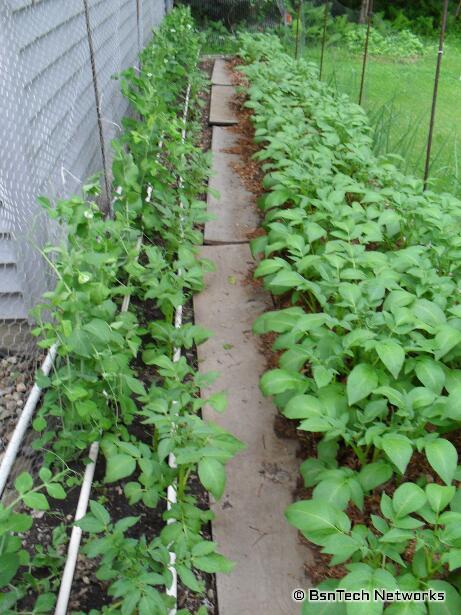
398,98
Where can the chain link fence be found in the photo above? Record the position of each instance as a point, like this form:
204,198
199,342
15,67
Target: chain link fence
59,107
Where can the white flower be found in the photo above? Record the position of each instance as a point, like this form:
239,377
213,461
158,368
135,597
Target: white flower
83,278
88,215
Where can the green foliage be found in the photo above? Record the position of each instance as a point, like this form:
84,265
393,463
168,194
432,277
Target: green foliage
370,347
148,250
401,43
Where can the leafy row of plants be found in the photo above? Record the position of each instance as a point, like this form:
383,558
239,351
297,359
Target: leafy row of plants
365,268
398,43
385,40
116,379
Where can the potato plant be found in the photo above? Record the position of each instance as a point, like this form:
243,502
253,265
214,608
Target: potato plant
95,392
364,266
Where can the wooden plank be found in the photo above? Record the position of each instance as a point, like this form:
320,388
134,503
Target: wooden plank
250,526
220,75
222,112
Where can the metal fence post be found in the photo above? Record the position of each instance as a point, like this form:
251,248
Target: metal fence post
365,52
98,104
436,91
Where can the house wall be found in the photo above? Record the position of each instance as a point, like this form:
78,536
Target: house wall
48,120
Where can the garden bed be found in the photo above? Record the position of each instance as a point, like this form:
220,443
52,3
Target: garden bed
344,248
126,373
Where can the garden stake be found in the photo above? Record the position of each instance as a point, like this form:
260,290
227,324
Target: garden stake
298,29
436,91
365,53
324,37
97,98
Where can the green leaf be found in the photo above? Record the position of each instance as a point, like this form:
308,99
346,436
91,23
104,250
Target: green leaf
278,381
361,382
56,491
99,512
124,524
203,548
39,423
375,474
45,603
452,602
322,376
335,491
188,579
135,385
37,501
23,483
303,407
407,499
213,563
90,524
429,313
119,466
286,279
439,497
399,450
443,458
9,565
212,476
317,520
80,343
445,340
19,522
392,355
430,374
218,401
99,329
406,608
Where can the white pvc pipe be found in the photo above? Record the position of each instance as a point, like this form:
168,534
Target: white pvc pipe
75,538
23,422
172,491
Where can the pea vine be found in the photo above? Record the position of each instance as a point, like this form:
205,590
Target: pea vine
147,250
365,268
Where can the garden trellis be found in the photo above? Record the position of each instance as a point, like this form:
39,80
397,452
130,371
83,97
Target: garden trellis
60,110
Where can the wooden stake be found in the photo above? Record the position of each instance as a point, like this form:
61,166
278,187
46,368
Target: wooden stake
324,37
436,91
298,29
365,51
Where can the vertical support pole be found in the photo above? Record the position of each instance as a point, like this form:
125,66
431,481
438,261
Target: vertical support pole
436,91
97,102
298,29
324,37
365,52
138,24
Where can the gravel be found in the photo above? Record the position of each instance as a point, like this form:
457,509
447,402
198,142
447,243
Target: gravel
16,379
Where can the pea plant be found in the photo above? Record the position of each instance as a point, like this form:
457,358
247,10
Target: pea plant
364,267
118,379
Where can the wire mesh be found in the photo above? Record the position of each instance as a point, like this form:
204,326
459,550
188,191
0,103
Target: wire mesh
221,20
49,127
